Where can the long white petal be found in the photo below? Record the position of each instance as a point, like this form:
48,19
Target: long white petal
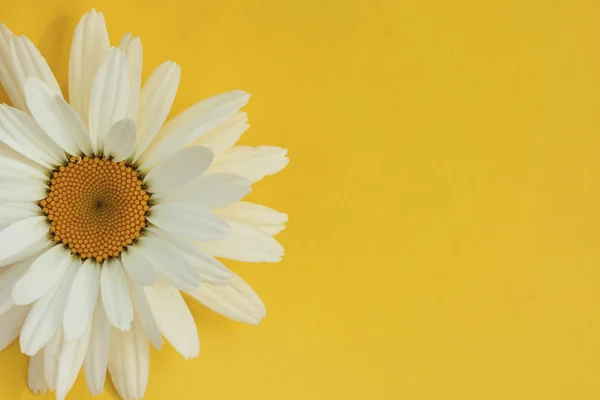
96,360
245,243
9,152
23,239
11,323
7,75
138,266
264,218
82,300
120,140
252,162
178,169
145,317
44,273
132,47
11,275
14,167
51,356
22,189
193,123
46,316
115,295
156,99
225,135
170,263
209,191
70,361
188,221
236,301
88,49
174,318
109,98
35,377
129,362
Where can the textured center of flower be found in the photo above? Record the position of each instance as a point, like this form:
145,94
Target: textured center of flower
96,206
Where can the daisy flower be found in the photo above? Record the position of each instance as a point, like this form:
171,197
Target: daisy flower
107,213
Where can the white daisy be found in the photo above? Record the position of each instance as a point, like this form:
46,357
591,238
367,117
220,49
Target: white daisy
107,212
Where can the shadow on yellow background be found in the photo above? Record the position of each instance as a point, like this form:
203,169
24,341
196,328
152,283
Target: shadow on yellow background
444,193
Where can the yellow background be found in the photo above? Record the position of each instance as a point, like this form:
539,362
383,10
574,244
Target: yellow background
444,193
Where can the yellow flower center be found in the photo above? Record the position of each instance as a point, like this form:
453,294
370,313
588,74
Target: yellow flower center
96,206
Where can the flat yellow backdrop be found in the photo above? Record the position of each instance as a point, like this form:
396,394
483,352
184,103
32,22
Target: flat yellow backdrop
444,193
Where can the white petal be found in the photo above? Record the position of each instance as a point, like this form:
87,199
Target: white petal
120,140
264,218
10,324
193,123
9,152
35,377
188,221
8,279
129,362
44,273
22,189
245,243
89,47
132,47
11,212
70,362
27,62
174,318
236,301
170,263
145,317
109,98
115,295
11,166
209,191
225,135
96,359
252,162
51,356
7,75
46,315
178,169
22,148
23,239
156,100
138,267
82,300
23,129
209,268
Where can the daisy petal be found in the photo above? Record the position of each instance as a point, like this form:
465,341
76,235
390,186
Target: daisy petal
170,263
193,123
51,356
11,275
82,300
46,316
27,62
156,99
7,75
96,359
89,47
129,362
145,317
210,191
138,267
245,243
23,239
179,168
44,273
120,140
188,222
35,377
264,218
22,189
115,295
132,47
109,97
70,361
236,301
9,152
11,323
11,166
225,135
11,212
174,318
252,162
